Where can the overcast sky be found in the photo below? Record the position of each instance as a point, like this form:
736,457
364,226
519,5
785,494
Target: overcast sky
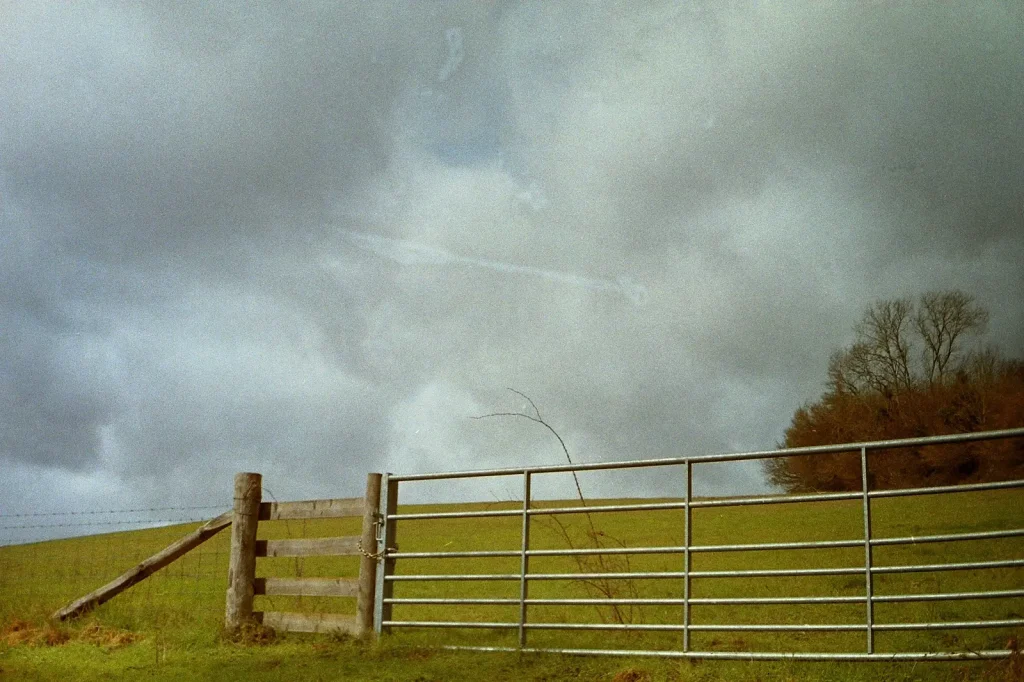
313,239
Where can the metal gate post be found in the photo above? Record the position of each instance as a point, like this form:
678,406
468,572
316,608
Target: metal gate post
524,565
687,559
385,540
869,593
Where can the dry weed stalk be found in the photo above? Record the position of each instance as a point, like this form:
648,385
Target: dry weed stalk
607,588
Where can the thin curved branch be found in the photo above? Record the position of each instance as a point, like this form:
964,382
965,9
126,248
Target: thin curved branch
540,420
528,399
585,564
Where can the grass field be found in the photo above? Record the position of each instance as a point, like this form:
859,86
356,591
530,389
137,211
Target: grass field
168,627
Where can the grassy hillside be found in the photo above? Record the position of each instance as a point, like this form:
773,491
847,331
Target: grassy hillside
171,623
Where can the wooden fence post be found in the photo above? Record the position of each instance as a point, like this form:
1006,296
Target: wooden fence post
242,566
368,564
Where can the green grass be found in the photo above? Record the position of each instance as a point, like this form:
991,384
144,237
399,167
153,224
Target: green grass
176,614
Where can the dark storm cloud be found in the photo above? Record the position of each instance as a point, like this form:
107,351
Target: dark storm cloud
157,135
313,239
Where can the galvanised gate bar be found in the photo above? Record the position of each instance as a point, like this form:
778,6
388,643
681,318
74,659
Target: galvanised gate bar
868,570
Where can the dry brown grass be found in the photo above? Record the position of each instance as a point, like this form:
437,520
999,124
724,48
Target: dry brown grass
25,633
252,634
632,675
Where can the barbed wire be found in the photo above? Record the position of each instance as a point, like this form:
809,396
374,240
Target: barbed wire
115,511
121,522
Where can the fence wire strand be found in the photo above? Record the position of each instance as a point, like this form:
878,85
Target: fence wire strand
49,558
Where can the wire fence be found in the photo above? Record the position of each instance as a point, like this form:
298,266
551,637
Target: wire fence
16,529
49,558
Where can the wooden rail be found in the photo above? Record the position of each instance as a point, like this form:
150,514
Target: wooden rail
307,587
311,509
345,546
310,622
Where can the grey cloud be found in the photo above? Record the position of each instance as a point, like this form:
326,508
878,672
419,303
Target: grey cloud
52,396
314,239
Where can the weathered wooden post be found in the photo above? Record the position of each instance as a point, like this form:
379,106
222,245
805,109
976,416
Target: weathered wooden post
368,564
242,566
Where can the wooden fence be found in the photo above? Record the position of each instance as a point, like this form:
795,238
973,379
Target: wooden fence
243,584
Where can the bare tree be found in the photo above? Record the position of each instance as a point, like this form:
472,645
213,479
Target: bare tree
879,361
883,335
875,392
842,377
942,320
857,370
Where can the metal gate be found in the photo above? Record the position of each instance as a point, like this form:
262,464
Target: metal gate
1004,603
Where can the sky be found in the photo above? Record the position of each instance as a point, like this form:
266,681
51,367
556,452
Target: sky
313,240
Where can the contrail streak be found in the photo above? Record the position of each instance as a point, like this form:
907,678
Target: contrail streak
410,253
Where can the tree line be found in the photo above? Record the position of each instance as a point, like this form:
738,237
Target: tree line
912,371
